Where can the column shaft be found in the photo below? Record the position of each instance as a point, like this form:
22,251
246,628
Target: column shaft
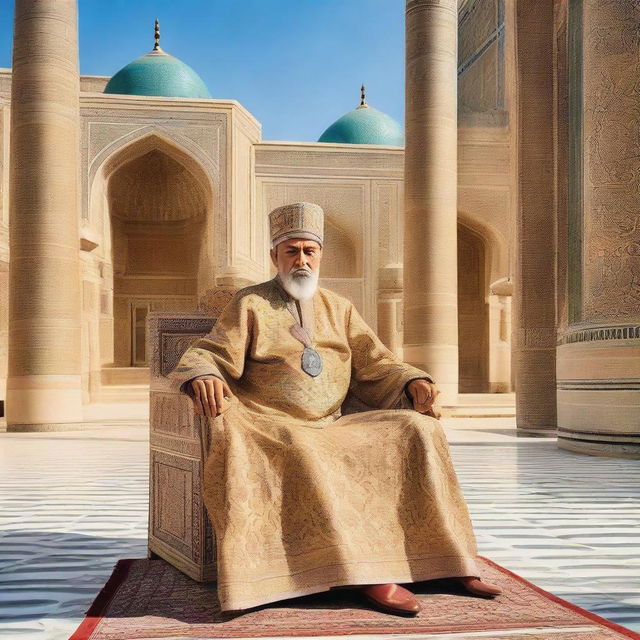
43,386
430,223
534,317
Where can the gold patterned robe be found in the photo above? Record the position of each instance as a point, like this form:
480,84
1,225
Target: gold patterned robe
302,499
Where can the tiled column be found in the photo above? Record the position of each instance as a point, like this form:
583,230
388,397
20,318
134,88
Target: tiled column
43,386
598,366
430,226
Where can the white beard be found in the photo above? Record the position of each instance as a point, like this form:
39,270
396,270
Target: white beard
300,287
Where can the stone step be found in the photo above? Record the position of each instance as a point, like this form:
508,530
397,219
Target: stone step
481,399
479,412
114,393
482,405
116,412
124,376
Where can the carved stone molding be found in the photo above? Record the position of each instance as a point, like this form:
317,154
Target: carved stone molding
590,334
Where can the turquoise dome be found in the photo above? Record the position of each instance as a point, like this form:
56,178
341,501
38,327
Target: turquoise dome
364,125
158,74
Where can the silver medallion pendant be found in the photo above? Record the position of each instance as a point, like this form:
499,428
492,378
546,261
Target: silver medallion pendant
311,362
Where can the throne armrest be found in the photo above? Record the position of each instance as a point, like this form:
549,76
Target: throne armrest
169,334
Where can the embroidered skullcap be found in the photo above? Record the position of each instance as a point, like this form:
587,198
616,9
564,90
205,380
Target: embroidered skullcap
298,220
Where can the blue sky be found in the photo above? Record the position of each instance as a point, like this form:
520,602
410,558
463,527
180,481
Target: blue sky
296,65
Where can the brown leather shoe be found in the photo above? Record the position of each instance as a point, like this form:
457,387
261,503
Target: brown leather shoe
392,598
479,588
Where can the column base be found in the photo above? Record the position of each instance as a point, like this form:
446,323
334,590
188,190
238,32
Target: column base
614,445
598,393
46,399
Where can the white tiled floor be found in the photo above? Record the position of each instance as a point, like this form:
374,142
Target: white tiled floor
73,503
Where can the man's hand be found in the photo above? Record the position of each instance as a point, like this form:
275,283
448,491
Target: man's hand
423,394
208,393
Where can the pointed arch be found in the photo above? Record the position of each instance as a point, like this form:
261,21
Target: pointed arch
141,141
151,192
495,245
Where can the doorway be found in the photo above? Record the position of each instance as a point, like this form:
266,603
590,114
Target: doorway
473,313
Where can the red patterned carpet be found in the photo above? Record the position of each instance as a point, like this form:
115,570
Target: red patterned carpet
150,599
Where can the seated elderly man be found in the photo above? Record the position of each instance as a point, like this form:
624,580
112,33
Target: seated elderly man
301,498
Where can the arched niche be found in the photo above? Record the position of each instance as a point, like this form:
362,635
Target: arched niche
156,202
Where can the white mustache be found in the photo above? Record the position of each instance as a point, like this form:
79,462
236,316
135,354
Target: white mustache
300,283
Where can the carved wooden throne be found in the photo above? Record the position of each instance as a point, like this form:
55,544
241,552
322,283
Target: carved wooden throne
179,527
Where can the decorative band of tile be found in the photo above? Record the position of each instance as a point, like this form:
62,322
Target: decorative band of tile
591,334
599,384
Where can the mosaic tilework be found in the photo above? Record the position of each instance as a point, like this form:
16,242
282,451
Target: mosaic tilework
158,74
73,503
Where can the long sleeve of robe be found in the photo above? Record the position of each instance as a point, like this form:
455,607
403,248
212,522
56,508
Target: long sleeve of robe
377,376
302,499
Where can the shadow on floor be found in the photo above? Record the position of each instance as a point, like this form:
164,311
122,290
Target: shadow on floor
56,574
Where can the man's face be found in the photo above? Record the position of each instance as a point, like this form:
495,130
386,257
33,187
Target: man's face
298,264
296,254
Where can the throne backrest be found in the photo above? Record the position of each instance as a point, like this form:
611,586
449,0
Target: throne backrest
171,332
169,335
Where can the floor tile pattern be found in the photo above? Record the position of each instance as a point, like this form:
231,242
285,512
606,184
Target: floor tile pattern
73,503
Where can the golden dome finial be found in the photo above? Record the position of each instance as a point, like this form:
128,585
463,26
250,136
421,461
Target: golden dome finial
363,99
156,46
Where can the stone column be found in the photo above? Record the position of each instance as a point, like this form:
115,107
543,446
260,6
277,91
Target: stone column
44,386
430,224
534,318
598,355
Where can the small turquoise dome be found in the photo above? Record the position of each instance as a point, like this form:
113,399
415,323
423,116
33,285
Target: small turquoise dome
158,74
364,125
